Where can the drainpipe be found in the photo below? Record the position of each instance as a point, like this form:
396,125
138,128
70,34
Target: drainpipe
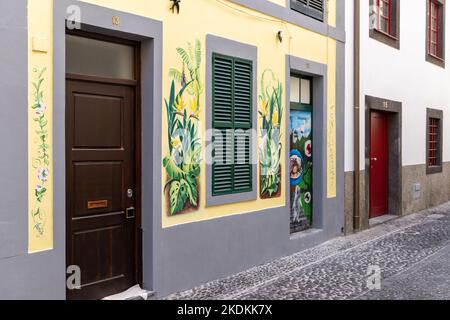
356,117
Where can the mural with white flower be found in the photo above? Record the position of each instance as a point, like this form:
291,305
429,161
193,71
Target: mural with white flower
182,164
270,148
41,161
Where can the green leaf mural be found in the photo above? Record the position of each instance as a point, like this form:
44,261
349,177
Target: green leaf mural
271,114
182,164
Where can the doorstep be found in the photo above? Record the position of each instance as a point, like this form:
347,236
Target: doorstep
134,293
381,219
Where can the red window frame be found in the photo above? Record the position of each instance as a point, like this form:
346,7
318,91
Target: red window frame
433,142
434,29
382,17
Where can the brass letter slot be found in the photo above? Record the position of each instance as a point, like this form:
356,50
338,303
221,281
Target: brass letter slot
99,204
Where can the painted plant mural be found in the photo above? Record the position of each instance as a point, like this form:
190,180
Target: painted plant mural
301,169
182,164
271,113
41,162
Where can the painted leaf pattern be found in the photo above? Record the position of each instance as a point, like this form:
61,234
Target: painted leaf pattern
41,162
182,164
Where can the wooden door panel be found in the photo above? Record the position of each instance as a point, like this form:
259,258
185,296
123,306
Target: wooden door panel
102,247
97,119
101,240
378,165
97,188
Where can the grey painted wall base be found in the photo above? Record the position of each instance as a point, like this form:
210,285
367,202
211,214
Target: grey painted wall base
200,252
33,277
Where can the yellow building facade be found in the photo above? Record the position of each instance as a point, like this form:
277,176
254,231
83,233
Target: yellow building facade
186,232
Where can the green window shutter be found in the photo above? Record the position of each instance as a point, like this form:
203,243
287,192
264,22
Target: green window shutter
222,92
243,87
313,8
222,124
232,120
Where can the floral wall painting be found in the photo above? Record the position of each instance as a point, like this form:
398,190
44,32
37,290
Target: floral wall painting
300,168
270,148
182,163
41,160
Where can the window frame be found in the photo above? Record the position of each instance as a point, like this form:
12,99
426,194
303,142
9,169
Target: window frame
436,115
381,16
228,47
300,105
299,7
392,36
439,29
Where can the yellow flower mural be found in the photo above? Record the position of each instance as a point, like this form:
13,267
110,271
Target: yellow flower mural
193,108
271,114
179,104
182,164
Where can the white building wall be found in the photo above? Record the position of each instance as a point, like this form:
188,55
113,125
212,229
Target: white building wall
349,85
402,75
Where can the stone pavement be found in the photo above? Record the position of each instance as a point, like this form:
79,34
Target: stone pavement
427,280
413,254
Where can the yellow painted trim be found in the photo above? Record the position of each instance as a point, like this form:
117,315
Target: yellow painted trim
40,57
331,11
331,120
279,2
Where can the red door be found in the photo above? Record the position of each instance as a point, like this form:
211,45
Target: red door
378,164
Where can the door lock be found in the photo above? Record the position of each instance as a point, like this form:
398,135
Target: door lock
130,193
130,213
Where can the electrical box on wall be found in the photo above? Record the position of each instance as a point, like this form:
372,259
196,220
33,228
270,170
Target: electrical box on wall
417,188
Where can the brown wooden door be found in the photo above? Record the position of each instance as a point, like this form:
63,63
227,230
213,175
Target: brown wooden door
101,237
378,164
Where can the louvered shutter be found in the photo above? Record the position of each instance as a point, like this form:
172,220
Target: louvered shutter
312,8
222,124
232,120
243,84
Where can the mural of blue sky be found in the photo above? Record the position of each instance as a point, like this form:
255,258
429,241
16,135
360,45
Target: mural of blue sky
301,123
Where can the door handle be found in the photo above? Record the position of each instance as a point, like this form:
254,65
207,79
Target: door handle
374,159
130,213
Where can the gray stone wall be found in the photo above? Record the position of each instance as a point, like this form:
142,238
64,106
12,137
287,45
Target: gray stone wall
419,191
422,190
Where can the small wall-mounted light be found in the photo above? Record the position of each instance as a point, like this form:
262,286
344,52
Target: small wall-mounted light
280,36
175,6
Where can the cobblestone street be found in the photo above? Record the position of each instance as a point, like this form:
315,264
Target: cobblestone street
412,252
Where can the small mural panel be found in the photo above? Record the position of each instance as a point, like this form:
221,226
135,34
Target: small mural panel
41,160
301,170
182,164
271,113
